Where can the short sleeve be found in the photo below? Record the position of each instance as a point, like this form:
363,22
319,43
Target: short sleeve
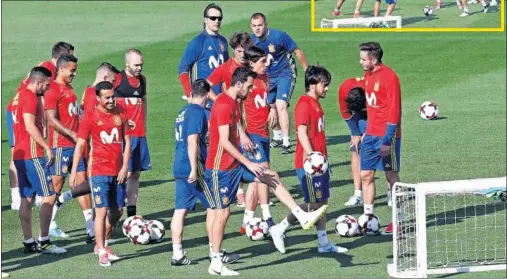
302,113
224,111
195,122
287,42
217,75
29,102
85,126
51,98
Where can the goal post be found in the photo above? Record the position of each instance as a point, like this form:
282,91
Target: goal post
449,227
362,22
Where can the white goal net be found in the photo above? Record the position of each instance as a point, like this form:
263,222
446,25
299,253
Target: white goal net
449,227
362,22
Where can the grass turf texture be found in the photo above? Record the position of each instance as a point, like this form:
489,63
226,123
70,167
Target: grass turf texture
412,14
457,70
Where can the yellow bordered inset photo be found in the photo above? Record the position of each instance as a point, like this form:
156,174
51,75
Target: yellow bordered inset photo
407,16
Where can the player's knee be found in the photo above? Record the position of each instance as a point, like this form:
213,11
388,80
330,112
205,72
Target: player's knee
114,215
392,177
134,175
367,177
48,200
281,105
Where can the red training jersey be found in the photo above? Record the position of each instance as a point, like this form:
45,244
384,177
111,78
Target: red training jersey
89,99
383,101
64,101
106,131
255,109
223,74
26,147
309,112
343,93
225,111
133,106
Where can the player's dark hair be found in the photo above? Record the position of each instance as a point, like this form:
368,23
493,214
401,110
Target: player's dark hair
103,85
38,73
356,100
209,7
241,39
258,15
64,59
241,74
61,48
200,87
374,50
253,54
108,66
316,74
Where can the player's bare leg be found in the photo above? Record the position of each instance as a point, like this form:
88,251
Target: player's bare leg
283,119
177,225
392,177
324,245
132,192
100,236
13,184
438,5
376,8
465,8
251,200
355,165
54,230
217,267
368,182
359,4
25,216
339,5
390,9
263,191
85,203
240,196
45,214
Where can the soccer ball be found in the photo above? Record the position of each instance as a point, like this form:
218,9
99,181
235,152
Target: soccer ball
346,225
428,11
129,222
156,230
428,110
257,229
369,224
315,164
139,233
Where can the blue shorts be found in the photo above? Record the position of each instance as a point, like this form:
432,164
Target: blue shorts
187,194
389,2
34,178
207,108
223,185
371,158
315,188
63,162
139,155
261,153
106,191
10,127
282,86
362,128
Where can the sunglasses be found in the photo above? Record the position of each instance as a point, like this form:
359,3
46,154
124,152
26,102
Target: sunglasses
214,18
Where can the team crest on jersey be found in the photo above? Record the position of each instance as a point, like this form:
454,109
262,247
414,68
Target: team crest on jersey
258,155
318,194
222,48
65,169
98,200
376,86
117,120
271,48
225,200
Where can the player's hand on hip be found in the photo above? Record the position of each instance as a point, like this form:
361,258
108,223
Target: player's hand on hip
385,150
72,179
122,175
355,141
192,177
272,117
51,158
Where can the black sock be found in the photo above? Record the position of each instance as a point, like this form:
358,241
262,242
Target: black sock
131,210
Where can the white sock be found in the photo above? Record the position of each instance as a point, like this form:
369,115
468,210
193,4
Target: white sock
87,213
41,239
240,191
368,208
298,212
216,261
53,225
285,224
64,197
266,213
358,193
55,210
389,195
210,248
322,238
465,10
177,251
249,214
31,240
15,196
286,140
336,9
277,135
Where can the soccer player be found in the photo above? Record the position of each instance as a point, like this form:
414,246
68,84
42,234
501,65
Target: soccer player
204,53
107,126
485,7
376,9
62,111
380,147
34,178
254,133
191,127
130,93
310,125
282,73
58,49
226,167
239,42
351,100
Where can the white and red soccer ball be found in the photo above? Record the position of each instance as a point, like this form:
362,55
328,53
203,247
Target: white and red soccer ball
141,231
428,110
369,224
257,229
315,164
428,10
346,226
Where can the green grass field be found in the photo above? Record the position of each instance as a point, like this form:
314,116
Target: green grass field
412,14
463,72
